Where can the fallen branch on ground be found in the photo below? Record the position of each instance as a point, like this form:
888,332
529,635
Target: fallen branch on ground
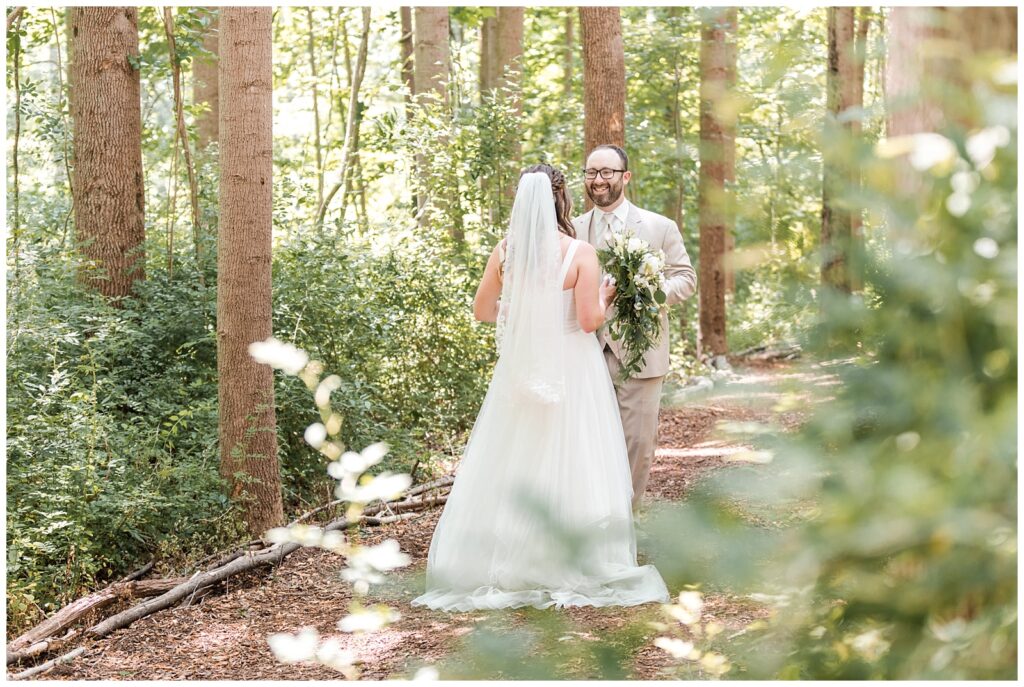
271,556
43,667
169,592
42,647
74,611
764,353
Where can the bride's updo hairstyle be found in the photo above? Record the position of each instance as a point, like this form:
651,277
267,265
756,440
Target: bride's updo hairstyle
563,201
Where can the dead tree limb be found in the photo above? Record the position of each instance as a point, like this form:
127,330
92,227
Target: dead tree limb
74,611
141,572
41,647
181,590
43,667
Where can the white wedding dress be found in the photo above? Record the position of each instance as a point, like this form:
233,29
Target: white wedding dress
540,512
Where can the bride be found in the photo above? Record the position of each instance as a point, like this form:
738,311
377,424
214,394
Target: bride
540,512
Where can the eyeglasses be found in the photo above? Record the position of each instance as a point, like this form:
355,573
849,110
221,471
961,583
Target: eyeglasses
605,173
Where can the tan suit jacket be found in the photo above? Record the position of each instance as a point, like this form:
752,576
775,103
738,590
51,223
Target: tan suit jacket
658,232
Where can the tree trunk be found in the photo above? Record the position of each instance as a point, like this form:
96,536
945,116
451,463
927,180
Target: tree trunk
730,150
928,90
179,110
510,66
567,59
316,109
430,47
717,143
16,17
349,149
408,72
432,72
248,442
205,83
488,52
838,166
860,61
921,87
510,50
604,79
107,122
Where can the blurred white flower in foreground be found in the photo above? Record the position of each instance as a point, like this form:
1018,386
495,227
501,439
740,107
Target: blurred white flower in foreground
368,561
289,648
353,464
925,150
330,654
368,619
322,396
870,645
689,608
384,486
715,664
315,435
307,535
306,646
930,150
981,147
676,647
279,355
427,674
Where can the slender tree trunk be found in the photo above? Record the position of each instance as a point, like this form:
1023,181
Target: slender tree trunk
172,210
316,110
248,442
432,72
837,150
63,93
568,58
510,64
856,126
16,228
408,68
730,149
510,51
432,63
488,52
715,205
205,83
604,79
107,119
179,108
349,150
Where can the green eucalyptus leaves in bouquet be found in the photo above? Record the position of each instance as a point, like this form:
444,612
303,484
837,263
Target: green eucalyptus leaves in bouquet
639,296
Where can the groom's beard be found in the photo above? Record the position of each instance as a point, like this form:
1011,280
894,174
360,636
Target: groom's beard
606,196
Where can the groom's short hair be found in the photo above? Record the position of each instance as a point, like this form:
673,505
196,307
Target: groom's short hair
618,151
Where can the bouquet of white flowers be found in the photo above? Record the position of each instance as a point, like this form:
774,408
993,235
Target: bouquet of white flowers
639,296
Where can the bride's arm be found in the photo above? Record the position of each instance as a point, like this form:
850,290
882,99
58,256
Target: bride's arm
591,298
485,305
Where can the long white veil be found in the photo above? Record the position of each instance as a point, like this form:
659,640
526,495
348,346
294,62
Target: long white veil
530,316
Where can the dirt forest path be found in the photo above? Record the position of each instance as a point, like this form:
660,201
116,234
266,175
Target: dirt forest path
224,636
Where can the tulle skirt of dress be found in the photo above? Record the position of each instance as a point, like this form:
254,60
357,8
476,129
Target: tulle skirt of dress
540,512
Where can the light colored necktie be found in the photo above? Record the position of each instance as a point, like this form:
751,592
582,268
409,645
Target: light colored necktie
607,226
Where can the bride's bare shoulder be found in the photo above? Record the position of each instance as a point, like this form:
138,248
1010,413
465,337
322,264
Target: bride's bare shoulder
585,249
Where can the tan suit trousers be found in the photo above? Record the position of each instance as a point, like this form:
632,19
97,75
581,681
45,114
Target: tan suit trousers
639,401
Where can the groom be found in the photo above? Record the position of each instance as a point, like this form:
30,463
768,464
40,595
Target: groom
606,176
